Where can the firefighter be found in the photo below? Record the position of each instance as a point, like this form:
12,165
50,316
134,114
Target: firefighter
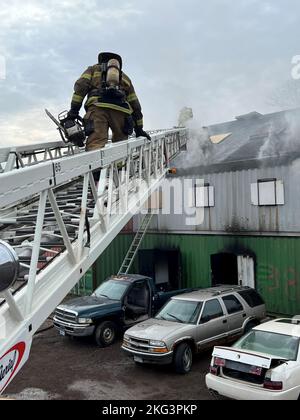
111,103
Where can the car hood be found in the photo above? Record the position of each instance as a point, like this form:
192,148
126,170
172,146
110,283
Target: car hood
89,305
156,329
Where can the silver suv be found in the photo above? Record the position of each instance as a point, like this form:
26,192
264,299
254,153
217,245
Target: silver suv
193,322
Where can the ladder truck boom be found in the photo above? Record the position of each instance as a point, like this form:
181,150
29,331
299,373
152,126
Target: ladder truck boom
55,222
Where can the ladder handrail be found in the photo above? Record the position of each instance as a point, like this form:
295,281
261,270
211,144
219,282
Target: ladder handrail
35,205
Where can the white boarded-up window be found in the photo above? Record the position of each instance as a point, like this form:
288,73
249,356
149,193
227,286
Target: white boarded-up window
205,196
268,192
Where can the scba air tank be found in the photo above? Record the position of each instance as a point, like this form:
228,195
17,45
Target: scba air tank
113,73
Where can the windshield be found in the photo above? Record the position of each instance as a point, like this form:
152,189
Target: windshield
111,289
278,345
182,311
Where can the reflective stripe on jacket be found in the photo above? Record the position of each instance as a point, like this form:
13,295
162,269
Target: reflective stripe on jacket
90,83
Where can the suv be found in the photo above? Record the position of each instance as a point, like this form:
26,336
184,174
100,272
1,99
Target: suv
193,322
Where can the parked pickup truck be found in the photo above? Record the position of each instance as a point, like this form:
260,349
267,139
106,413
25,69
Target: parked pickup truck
193,322
119,303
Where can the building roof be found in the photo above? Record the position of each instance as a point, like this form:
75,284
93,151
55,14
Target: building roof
250,141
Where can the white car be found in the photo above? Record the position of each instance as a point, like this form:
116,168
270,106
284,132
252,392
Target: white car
262,365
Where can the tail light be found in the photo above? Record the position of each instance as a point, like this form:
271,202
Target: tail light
273,385
219,362
214,370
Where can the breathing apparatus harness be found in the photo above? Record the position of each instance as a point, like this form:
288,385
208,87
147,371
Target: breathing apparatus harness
111,91
111,78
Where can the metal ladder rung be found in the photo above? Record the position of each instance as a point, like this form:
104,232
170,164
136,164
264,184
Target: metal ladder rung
136,243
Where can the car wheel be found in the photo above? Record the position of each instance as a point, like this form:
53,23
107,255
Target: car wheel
249,327
105,334
183,359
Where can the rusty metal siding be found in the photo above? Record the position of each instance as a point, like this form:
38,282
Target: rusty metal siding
277,262
233,211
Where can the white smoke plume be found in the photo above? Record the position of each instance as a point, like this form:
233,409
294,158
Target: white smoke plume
283,137
199,148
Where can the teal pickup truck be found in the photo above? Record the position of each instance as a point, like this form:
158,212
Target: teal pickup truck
118,304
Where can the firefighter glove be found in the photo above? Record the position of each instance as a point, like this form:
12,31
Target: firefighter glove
73,114
139,132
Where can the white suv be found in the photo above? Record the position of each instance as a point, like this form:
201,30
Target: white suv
263,365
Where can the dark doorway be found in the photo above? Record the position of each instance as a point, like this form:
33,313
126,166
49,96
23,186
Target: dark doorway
224,269
164,266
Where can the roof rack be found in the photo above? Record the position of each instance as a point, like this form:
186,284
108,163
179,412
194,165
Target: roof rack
229,289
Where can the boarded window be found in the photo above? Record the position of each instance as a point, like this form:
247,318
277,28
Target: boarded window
268,192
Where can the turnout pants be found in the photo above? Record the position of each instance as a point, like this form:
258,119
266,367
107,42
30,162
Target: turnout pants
99,121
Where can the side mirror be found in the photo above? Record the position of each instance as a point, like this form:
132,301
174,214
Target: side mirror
9,266
205,319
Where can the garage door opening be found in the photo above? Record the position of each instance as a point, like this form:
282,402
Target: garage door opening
164,266
232,269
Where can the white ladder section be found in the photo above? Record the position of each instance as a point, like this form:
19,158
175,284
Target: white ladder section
21,156
59,223
136,243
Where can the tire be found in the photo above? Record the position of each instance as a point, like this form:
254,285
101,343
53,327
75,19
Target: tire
249,326
105,334
183,359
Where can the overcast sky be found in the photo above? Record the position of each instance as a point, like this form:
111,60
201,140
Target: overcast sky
221,57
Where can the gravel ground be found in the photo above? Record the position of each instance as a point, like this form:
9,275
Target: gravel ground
62,368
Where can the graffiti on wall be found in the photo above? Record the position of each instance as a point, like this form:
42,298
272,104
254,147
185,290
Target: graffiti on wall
284,280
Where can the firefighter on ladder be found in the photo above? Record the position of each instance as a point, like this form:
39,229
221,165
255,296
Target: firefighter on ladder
111,103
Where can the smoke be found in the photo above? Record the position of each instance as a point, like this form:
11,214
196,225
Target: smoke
296,166
271,146
199,148
283,136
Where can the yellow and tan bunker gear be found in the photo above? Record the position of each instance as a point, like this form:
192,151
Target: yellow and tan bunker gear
121,113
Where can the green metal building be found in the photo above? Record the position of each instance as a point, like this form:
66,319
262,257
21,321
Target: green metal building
249,199
277,268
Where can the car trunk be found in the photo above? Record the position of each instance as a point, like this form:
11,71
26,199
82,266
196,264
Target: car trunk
245,366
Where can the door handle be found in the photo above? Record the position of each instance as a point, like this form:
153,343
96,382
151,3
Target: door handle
225,321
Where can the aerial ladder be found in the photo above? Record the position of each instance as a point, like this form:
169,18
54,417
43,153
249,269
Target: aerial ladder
55,222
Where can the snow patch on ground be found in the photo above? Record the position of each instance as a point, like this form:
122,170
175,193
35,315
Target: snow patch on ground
34,394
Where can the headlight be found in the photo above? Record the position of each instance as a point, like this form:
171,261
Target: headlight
126,337
85,321
155,343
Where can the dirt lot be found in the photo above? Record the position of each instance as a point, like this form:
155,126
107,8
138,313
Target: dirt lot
61,368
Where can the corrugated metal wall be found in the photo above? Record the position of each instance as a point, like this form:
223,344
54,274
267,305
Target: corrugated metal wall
110,261
277,262
233,211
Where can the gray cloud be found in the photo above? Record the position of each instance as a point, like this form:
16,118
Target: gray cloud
221,57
